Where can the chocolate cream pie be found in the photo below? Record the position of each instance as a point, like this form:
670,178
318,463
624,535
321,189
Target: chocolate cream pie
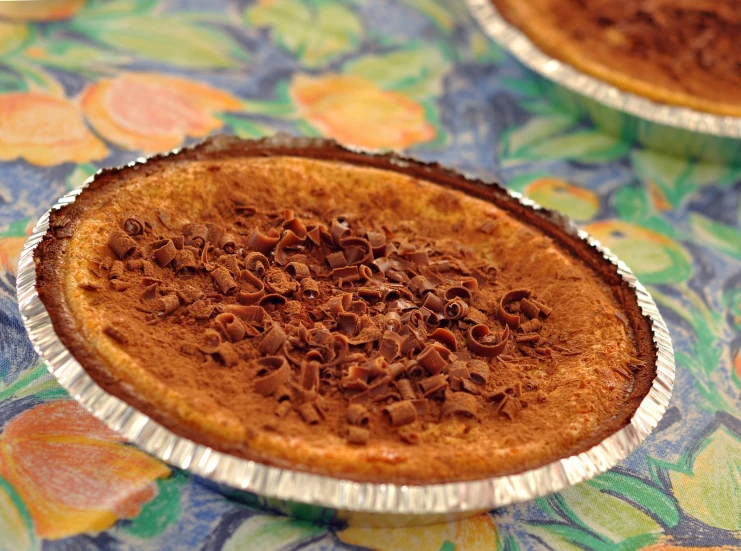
681,52
344,314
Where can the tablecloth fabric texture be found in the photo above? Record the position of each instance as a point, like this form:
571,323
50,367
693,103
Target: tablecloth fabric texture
88,84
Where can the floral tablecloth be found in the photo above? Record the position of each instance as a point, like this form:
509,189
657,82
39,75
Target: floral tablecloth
86,84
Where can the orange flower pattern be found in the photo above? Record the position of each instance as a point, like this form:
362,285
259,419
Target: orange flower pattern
72,472
358,112
153,112
45,130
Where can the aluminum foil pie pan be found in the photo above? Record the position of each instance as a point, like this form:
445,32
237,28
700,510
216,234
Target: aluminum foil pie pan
335,498
660,126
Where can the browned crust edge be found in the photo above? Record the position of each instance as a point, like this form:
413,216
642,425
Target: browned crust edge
49,254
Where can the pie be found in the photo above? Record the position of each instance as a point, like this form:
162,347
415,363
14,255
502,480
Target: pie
345,314
680,52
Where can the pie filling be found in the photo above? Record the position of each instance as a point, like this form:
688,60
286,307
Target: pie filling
341,319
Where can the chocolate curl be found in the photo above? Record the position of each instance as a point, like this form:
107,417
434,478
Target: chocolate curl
118,285
357,371
409,436
359,307
460,403
545,310
432,360
434,303
150,291
249,314
315,234
208,266
531,338
214,233
272,340
529,309
357,250
401,413
457,291
404,386
226,355
396,370
432,384
121,244
455,309
279,282
196,234
272,372
338,231
309,375
178,241
357,436
258,241
257,263
419,258
309,288
478,346
430,318
377,242
479,371
382,264
288,241
188,294
224,281
459,369
445,337
297,227
390,346
414,369
531,326
231,327
165,254
117,270
392,322
133,225
298,270
202,309
184,262
116,334
348,323
511,320
212,341
341,348
228,243
358,415
309,413
348,273
255,290
168,304
339,303
509,407
470,283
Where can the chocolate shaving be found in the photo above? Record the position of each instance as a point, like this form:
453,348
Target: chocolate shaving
348,273
116,334
309,414
117,270
168,304
531,326
257,263
527,338
433,384
196,234
431,359
184,262
445,337
298,270
509,407
357,415
309,288
232,327
224,281
273,372
357,436
272,340
357,250
227,243
165,254
262,243
226,355
404,386
121,244
481,347
288,241
348,323
460,403
457,291
529,309
338,231
456,309
390,346
133,225
279,282
118,285
401,413
479,371
309,376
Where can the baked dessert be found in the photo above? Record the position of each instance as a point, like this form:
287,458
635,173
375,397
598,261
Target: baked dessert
680,52
345,314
